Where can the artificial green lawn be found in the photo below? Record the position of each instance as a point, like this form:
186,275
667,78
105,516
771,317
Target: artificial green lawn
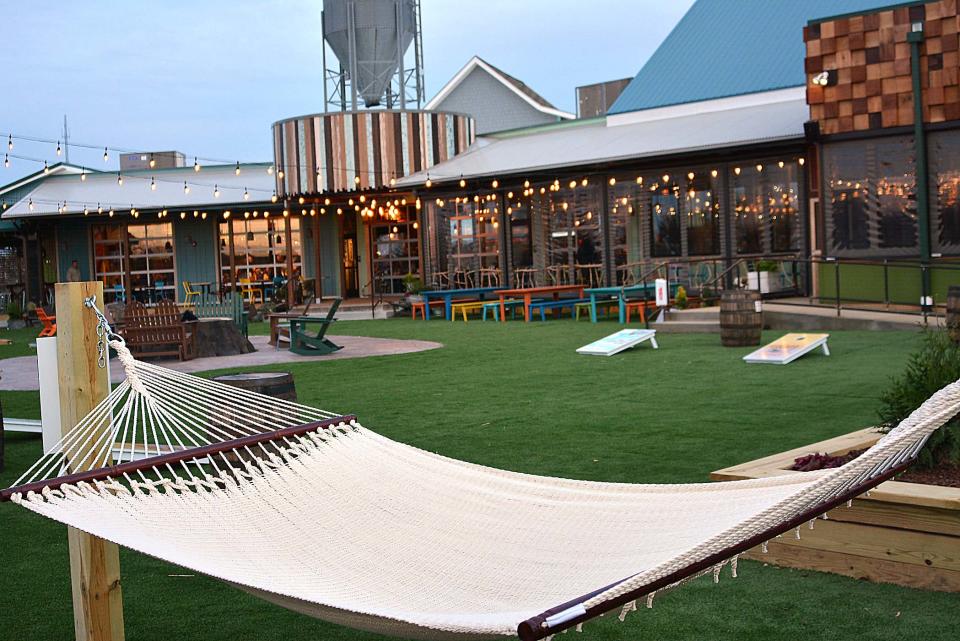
517,396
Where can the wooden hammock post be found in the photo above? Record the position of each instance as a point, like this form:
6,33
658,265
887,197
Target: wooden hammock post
94,563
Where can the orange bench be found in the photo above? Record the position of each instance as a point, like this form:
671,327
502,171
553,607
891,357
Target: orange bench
49,323
639,306
421,307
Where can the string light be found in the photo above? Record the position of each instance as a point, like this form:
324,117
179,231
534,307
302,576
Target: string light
99,208
153,184
612,181
713,172
10,142
270,170
46,167
83,175
216,191
495,183
106,155
801,161
463,183
196,164
237,170
119,179
186,187
59,151
273,198
759,167
6,160
153,161
736,170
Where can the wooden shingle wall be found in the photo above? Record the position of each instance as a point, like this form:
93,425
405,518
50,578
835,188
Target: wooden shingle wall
871,56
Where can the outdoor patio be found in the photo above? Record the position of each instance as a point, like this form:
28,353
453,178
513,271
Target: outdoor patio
671,415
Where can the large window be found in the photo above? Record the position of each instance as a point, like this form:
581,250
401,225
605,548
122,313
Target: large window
870,189
945,209
766,208
396,253
137,257
468,242
664,213
569,222
626,240
260,247
701,209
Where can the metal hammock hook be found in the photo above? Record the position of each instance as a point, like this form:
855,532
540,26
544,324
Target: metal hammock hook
105,333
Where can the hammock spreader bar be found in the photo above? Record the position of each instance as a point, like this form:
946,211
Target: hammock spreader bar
189,454
572,613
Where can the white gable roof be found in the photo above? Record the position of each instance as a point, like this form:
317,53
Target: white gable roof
508,82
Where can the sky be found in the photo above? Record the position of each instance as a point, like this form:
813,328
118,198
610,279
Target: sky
209,77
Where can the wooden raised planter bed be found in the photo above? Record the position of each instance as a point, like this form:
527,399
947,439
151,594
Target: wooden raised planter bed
903,533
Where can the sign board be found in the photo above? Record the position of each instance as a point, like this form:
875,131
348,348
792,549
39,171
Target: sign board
789,348
663,298
619,341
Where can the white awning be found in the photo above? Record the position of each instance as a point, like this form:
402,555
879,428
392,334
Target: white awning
146,189
673,131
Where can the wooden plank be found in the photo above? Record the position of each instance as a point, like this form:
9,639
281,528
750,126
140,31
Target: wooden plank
906,517
94,563
881,570
921,549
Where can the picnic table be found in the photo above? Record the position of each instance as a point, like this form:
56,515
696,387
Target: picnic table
527,294
448,296
623,295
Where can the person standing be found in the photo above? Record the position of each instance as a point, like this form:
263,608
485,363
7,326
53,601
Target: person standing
73,273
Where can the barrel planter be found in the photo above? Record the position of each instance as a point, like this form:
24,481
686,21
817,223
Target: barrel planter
741,319
953,313
276,384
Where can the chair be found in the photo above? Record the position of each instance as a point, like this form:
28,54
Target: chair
161,333
190,295
308,344
49,323
251,293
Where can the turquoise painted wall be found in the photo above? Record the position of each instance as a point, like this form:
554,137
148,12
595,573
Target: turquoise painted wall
195,243
73,243
329,255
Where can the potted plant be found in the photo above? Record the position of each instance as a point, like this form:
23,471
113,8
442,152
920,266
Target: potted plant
15,315
681,301
764,278
412,287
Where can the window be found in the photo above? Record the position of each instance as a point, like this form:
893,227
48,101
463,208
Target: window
945,169
396,253
701,208
664,219
871,190
765,207
143,250
626,241
570,222
468,240
260,250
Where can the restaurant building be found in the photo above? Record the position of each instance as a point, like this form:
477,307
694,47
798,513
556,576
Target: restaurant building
759,131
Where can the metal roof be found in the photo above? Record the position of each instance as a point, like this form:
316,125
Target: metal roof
728,123
103,187
729,48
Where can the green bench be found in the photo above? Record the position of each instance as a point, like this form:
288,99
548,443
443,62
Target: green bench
230,307
494,306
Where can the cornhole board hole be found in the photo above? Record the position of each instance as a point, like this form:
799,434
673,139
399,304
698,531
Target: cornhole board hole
619,341
789,348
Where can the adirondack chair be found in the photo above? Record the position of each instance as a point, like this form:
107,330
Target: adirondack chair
160,333
304,342
49,323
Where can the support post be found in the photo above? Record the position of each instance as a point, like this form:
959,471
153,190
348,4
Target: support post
915,38
94,563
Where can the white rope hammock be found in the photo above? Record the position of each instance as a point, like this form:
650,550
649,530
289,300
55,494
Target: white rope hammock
312,511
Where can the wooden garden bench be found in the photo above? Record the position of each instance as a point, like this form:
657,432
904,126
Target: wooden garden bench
230,307
560,304
307,343
161,332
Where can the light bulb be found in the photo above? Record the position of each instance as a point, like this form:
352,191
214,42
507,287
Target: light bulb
46,167
10,142
59,151
759,167
6,160
270,170
736,170
356,180
226,214
429,182
83,175
273,198
463,183
280,174
801,161
237,169
393,181
153,161
186,187
30,203
196,164
612,181
99,209
106,156
119,180
216,191
584,182
153,184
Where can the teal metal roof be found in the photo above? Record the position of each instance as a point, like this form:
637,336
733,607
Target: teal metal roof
726,48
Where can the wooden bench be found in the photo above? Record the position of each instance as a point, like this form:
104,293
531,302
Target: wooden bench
230,307
306,343
465,307
511,303
421,307
561,304
606,304
158,333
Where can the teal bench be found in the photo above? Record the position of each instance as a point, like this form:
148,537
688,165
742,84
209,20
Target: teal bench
561,304
230,307
494,306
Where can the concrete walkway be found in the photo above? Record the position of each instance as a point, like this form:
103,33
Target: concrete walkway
20,374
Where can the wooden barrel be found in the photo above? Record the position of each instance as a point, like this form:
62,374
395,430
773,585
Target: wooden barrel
953,313
740,318
276,384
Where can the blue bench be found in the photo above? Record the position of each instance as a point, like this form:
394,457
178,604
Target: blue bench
560,304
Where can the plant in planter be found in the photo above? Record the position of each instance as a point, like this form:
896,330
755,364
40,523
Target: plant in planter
682,302
934,365
412,286
763,278
708,297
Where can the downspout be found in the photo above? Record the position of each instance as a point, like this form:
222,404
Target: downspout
915,38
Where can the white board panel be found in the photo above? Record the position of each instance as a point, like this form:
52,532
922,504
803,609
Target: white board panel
788,348
619,341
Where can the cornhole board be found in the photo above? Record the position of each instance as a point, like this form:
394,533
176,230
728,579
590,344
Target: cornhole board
619,341
789,348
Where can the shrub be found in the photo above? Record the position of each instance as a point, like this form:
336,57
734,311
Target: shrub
681,300
934,365
412,283
13,310
768,266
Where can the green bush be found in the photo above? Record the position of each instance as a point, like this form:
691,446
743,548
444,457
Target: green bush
768,266
13,310
934,365
681,299
412,283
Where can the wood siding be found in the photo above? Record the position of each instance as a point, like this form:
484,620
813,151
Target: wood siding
374,146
